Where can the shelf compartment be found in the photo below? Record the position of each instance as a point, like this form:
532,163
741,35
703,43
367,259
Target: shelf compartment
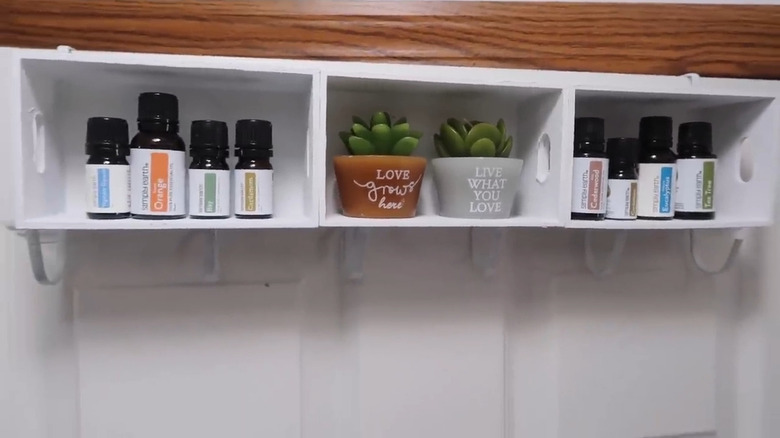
534,116
745,139
57,96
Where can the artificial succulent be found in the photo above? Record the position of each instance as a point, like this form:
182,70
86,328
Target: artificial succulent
471,138
380,137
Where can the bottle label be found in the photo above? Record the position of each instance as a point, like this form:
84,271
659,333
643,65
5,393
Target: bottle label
589,183
655,198
108,188
209,192
621,199
254,193
157,180
695,185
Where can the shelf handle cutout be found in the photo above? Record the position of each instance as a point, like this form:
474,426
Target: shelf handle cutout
543,158
612,259
738,236
55,239
39,140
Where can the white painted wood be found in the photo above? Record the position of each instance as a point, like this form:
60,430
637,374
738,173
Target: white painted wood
64,91
740,124
310,101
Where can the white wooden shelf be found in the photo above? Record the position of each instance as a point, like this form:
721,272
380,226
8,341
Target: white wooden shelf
65,222
674,224
52,93
337,220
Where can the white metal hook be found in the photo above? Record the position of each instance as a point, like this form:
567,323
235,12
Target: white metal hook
211,265
618,244
352,250
41,274
486,248
693,256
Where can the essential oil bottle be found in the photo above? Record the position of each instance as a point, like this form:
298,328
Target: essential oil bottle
107,172
657,169
695,172
158,168
209,173
623,155
253,177
589,181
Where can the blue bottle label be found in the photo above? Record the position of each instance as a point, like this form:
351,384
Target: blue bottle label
666,190
108,188
104,188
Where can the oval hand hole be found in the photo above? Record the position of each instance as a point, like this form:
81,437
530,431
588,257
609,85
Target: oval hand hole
39,141
543,158
746,163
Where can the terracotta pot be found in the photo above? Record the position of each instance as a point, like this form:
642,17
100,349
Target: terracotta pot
379,186
477,188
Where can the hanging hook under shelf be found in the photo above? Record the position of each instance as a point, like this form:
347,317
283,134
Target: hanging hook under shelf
352,251
486,248
618,244
693,256
212,272
35,250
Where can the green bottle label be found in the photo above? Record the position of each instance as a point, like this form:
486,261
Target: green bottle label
210,192
708,184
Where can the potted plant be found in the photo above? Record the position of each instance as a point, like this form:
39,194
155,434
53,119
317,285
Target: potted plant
474,176
379,179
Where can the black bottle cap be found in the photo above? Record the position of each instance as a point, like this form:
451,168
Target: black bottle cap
205,134
106,133
588,130
623,150
253,134
695,135
158,107
656,131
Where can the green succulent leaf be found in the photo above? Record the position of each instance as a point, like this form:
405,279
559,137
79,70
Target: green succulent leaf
483,130
405,146
382,139
452,141
356,119
361,131
401,120
380,118
467,125
344,136
360,146
501,128
483,147
507,150
458,125
440,149
399,131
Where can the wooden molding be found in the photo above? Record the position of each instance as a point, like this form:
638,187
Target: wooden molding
712,40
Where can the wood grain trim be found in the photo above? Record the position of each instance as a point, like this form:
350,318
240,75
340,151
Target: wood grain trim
712,40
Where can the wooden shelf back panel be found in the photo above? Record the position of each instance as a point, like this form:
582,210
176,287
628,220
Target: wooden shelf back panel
712,40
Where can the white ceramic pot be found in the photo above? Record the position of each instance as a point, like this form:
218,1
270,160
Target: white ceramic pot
474,187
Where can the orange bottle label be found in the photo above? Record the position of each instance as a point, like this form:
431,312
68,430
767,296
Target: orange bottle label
159,174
